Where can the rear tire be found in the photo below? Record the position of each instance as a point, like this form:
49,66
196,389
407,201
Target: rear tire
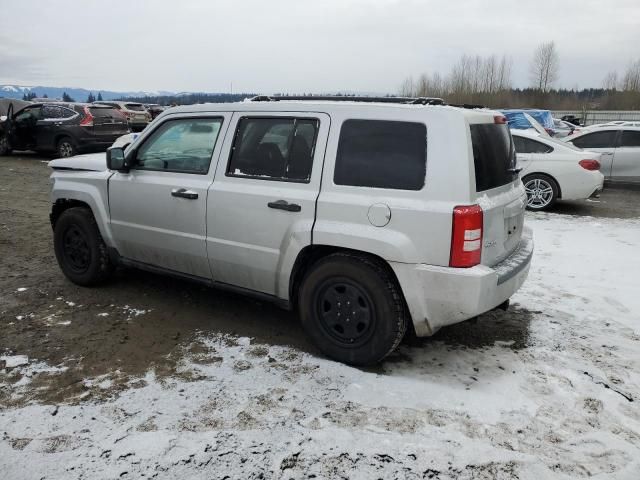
80,250
352,308
65,148
542,191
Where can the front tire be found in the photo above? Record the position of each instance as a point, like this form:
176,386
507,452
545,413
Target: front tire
65,148
5,148
542,191
79,248
352,308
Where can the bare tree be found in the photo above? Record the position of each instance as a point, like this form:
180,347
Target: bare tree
610,81
544,66
631,79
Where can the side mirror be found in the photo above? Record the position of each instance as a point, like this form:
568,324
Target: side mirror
116,160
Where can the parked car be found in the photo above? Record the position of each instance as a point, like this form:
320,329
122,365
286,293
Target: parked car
325,207
135,113
619,147
553,170
564,129
64,128
517,119
154,109
572,119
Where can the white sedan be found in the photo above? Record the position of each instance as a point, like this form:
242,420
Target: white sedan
554,170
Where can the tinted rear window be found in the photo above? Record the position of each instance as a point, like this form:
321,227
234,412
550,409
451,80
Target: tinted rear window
105,112
135,106
493,155
606,139
382,154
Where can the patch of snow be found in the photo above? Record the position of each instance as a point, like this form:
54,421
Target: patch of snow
22,289
65,323
12,361
103,314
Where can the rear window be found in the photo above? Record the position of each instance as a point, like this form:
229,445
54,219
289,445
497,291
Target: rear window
105,112
382,154
134,106
493,155
630,138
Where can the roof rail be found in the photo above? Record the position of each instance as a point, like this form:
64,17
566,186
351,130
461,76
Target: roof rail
347,98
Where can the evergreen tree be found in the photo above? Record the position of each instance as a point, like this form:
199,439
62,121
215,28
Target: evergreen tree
99,96
67,98
45,96
91,98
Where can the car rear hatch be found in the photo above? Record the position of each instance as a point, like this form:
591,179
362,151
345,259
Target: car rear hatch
500,193
108,121
136,113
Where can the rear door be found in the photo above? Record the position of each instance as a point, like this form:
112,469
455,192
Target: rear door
261,206
53,117
604,142
626,162
500,192
108,122
158,208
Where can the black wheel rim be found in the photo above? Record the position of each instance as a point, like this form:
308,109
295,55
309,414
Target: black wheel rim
345,312
75,248
66,149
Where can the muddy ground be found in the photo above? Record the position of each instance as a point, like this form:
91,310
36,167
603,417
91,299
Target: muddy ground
141,321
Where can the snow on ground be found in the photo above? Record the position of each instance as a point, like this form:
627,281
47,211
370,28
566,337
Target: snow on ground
549,390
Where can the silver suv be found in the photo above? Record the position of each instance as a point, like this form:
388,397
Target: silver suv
368,218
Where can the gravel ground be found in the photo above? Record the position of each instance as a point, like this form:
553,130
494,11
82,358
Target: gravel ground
159,378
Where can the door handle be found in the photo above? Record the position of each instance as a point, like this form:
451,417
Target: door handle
184,193
284,205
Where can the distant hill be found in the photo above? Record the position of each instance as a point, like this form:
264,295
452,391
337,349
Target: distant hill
78,94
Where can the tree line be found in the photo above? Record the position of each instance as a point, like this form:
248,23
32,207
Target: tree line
487,81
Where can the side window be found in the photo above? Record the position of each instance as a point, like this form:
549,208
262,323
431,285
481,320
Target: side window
606,139
630,138
527,145
28,115
184,145
274,148
51,111
382,154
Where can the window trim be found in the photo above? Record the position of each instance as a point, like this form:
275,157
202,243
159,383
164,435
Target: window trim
134,152
426,156
228,173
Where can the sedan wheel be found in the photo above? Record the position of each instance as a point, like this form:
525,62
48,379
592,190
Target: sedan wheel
541,192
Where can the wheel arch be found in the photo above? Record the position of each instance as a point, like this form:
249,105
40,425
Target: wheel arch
311,254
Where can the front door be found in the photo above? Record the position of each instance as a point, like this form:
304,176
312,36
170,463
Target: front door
261,206
24,128
626,163
158,208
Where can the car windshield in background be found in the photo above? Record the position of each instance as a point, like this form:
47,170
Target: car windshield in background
493,154
134,106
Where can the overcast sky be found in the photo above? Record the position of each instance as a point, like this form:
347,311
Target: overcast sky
302,45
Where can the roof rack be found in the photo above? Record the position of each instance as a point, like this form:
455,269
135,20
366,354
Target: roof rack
347,98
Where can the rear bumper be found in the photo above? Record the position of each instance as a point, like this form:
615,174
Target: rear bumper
440,296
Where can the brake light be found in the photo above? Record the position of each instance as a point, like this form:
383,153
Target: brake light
87,121
466,236
589,164
500,120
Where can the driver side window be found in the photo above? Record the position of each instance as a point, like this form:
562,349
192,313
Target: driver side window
183,145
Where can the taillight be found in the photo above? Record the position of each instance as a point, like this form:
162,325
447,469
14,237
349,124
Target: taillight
550,131
589,164
500,120
87,121
466,236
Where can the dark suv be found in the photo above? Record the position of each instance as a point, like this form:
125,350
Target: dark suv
63,128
